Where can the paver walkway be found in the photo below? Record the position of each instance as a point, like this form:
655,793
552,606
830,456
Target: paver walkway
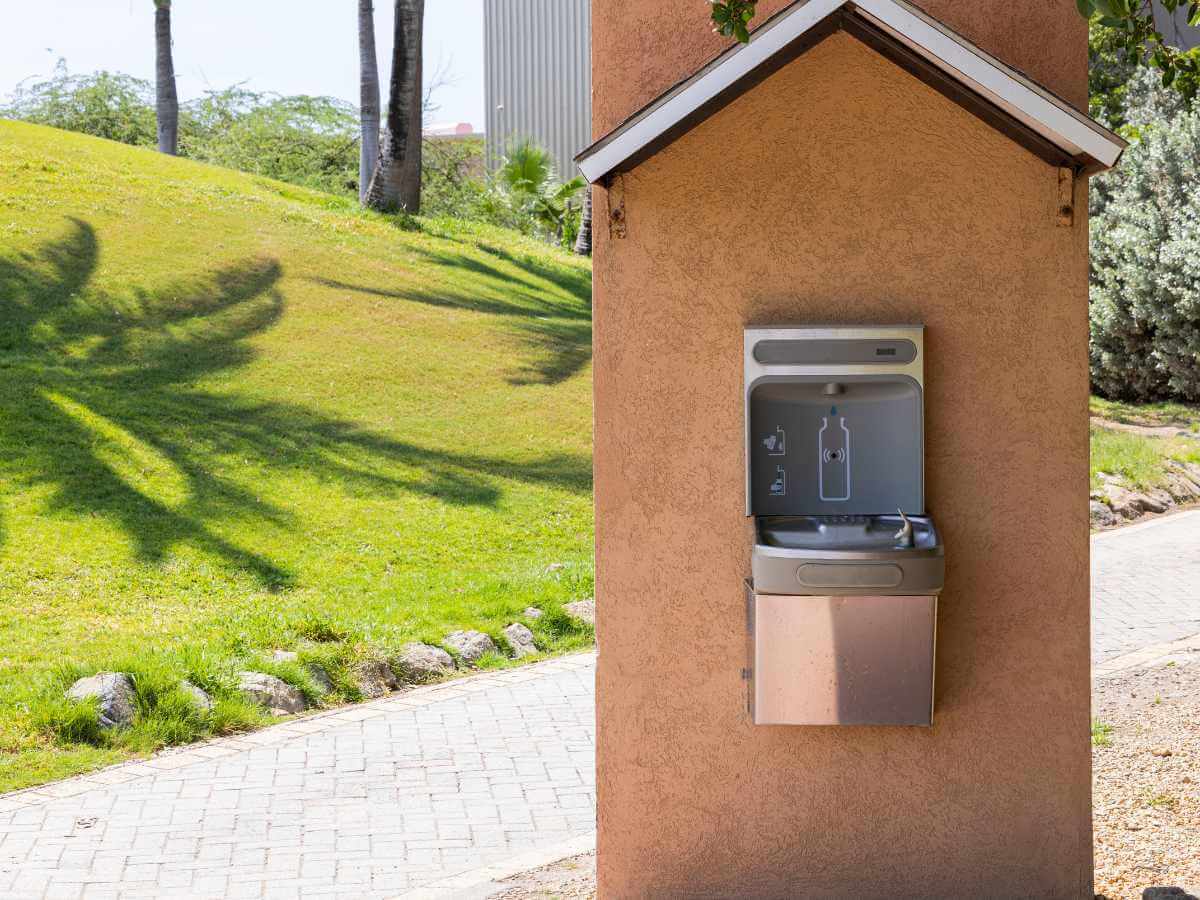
372,800
415,794
1145,584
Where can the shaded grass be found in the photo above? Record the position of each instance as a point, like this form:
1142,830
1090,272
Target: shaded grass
1185,416
237,416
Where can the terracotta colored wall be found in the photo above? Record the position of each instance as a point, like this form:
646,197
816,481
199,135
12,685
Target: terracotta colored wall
642,47
855,194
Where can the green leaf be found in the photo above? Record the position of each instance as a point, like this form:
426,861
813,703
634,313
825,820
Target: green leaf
1086,8
1168,76
740,32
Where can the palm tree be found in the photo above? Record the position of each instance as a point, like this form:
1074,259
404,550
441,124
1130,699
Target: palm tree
583,243
167,101
527,184
368,92
396,184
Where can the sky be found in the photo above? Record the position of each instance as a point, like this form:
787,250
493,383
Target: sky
286,46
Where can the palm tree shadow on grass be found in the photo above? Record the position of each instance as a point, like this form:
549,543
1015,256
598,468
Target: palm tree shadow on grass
556,333
90,378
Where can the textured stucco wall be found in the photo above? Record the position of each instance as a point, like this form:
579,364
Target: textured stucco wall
642,47
841,190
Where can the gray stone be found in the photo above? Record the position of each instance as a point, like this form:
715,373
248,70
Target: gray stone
1125,503
583,610
376,678
1101,515
470,645
532,612
284,655
1166,893
271,693
520,639
1156,501
114,691
318,674
421,662
203,701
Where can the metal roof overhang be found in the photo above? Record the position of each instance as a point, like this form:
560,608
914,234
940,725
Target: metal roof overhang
1035,118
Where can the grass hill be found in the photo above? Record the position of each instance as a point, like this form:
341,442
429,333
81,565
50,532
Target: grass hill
237,415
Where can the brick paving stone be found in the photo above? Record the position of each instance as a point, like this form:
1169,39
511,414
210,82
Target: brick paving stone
1145,585
405,791
370,801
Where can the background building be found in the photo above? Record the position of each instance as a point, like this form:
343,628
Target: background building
537,76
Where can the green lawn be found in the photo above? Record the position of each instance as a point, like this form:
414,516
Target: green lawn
1141,459
238,415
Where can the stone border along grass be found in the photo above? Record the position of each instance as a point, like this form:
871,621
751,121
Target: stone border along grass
1115,502
145,709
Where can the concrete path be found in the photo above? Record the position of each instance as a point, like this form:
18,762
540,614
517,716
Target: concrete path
436,792
416,790
1145,585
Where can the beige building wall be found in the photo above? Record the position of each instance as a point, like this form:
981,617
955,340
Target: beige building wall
841,190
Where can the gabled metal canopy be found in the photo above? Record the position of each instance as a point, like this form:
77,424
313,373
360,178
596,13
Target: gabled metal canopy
1034,117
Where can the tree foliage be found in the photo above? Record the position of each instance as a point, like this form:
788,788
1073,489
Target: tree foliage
106,104
1145,268
1135,33
312,141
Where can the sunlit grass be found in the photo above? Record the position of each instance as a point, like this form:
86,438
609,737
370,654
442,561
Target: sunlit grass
237,416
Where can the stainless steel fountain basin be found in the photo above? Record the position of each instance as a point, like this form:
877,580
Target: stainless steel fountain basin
847,555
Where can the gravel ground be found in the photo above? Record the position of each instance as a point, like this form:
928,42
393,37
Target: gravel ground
1146,792
1146,780
569,879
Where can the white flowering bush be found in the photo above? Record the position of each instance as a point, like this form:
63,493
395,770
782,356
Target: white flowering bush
1145,267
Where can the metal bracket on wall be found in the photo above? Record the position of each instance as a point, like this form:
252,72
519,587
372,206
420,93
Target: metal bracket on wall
616,207
1066,197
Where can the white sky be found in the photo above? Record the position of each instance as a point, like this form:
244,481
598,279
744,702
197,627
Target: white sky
288,46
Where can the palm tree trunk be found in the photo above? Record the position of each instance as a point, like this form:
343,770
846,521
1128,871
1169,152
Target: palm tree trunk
396,184
583,243
368,93
167,101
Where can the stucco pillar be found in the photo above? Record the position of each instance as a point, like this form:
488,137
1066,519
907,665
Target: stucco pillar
841,190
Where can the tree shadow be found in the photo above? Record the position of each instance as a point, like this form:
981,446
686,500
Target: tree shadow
555,331
101,406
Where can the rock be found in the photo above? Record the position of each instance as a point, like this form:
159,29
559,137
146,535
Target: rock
284,656
376,678
203,701
471,645
1180,488
114,690
1157,501
1101,515
520,639
271,693
532,612
1166,893
1161,751
1124,502
554,567
421,662
320,676
583,610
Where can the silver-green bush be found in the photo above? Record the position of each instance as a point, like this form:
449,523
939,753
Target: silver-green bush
1145,267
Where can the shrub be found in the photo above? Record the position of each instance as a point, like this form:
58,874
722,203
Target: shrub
105,104
1145,268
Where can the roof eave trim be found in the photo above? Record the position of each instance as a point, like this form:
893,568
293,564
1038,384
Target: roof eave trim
1028,104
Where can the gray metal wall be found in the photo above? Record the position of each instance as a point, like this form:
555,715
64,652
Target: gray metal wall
538,76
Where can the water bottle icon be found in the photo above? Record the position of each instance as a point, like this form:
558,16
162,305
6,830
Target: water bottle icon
833,448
